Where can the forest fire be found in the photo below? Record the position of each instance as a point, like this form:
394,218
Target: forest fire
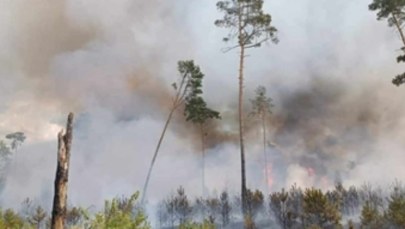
311,172
269,176
236,133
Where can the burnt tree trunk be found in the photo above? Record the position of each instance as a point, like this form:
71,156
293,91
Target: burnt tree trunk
61,179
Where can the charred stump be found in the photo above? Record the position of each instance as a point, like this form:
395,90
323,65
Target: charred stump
61,179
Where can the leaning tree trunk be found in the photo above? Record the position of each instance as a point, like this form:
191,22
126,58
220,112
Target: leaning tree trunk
61,179
178,100
401,33
162,135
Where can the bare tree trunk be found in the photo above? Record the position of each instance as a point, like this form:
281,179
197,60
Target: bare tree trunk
266,174
241,129
145,187
242,145
202,159
61,179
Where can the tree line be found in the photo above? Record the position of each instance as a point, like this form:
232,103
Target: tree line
364,207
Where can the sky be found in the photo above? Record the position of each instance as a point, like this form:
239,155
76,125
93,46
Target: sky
337,116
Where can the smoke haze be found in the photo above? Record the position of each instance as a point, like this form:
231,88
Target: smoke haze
336,116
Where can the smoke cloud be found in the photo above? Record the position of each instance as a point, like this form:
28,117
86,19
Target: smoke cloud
336,114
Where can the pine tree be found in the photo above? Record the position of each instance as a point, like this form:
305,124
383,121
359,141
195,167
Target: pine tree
190,78
261,109
197,112
394,12
250,27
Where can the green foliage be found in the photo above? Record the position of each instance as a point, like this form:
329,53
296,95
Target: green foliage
190,83
193,74
373,196
261,104
178,208
35,215
38,217
16,138
399,79
121,214
282,207
214,208
5,151
249,223
294,208
309,209
181,206
192,225
318,210
225,208
351,202
11,220
313,226
337,196
247,22
196,109
386,9
77,216
394,12
396,208
255,202
370,216
5,158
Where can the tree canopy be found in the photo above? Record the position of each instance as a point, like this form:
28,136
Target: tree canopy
246,22
196,109
394,12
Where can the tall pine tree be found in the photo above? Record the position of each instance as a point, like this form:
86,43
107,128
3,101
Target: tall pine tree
196,111
250,26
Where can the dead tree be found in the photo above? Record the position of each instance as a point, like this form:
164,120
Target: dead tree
61,179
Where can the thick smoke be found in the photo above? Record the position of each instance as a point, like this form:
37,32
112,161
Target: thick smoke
336,115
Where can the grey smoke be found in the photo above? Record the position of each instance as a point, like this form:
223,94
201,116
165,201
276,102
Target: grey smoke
113,62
